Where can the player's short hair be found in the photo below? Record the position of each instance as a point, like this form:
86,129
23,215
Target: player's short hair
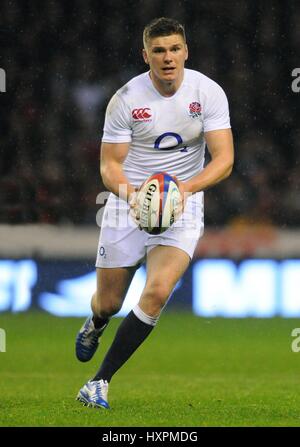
162,26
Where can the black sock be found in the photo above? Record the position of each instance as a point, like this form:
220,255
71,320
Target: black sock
100,322
131,333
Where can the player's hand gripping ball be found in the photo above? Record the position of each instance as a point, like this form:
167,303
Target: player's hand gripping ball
158,203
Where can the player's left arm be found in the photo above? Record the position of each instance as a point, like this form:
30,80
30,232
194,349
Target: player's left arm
220,146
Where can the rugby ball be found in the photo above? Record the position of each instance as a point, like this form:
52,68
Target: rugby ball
157,200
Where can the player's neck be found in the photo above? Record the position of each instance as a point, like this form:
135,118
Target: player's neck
166,88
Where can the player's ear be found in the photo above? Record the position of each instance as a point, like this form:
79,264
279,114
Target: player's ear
186,52
145,56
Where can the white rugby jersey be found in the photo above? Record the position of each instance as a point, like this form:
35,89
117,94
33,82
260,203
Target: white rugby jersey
165,133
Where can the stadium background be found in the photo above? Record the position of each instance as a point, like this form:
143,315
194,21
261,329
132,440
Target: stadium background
63,61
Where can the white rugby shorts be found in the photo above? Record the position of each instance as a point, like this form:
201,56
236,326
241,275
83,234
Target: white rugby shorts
123,244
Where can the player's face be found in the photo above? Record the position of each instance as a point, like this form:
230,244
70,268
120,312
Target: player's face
166,56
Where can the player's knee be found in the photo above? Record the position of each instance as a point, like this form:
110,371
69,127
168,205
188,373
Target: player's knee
157,294
106,308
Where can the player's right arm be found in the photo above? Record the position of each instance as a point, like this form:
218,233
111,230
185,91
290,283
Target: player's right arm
113,177
111,169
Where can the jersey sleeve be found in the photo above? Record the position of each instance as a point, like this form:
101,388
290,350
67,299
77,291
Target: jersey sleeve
216,111
117,124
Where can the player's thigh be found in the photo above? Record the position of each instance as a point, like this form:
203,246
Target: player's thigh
165,266
112,286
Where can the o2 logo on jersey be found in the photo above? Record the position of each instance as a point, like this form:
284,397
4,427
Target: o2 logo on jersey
141,114
195,109
102,252
167,135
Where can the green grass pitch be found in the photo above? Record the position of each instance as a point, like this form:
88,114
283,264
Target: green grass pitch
190,372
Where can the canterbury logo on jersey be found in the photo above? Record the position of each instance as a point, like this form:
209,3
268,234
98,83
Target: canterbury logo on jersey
142,114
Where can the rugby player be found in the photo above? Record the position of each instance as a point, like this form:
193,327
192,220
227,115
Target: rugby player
161,120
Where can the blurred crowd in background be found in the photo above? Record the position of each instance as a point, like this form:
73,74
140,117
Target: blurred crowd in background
63,62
